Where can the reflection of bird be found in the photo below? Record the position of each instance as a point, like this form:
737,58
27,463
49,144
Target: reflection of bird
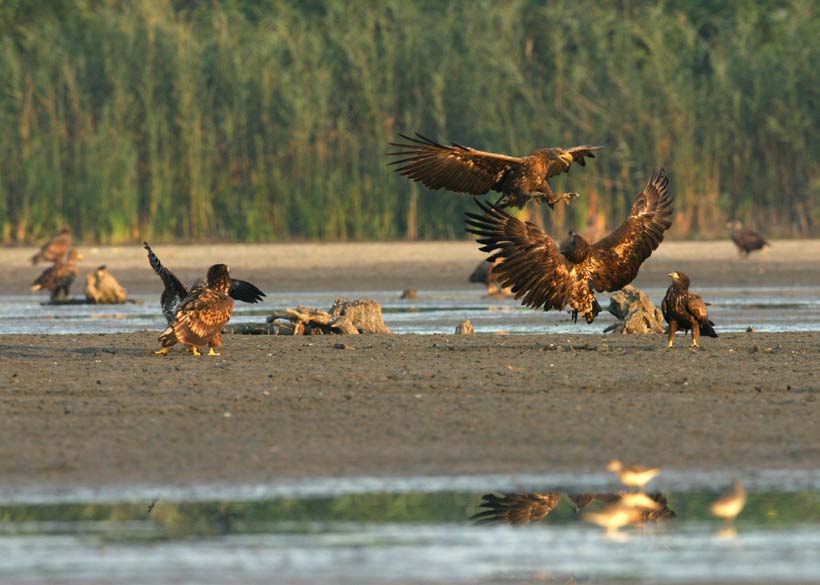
55,249
202,314
635,475
746,240
731,503
549,277
614,516
684,310
57,279
175,292
102,287
516,508
467,170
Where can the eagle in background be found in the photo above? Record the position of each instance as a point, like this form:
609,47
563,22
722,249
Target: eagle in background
202,314
466,170
746,240
57,278
175,292
684,310
544,275
55,249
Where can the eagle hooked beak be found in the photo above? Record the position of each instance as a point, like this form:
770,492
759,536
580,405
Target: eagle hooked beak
673,275
566,157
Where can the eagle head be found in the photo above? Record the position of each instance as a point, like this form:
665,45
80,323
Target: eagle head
680,279
565,158
219,277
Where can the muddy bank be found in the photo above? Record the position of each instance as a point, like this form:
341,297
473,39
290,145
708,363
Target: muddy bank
101,410
401,265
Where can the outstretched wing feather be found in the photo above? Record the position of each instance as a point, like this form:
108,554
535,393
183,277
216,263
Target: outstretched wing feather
174,291
244,291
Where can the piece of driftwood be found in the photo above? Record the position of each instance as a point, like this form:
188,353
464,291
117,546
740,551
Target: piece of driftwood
86,301
344,317
465,328
102,288
635,313
409,294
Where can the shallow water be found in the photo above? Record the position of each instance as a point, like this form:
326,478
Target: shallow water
405,537
769,309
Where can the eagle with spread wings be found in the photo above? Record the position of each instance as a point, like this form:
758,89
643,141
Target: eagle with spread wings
467,170
547,276
175,292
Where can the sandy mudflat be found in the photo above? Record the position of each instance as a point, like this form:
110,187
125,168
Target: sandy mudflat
400,265
100,410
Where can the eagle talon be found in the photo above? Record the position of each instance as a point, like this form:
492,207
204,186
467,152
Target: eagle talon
212,352
163,351
195,351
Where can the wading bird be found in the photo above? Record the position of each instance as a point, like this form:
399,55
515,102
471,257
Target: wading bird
466,170
56,248
731,503
684,310
634,475
544,275
746,240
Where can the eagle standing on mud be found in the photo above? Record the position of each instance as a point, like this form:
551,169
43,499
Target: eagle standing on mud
467,170
684,310
746,240
551,277
58,278
194,313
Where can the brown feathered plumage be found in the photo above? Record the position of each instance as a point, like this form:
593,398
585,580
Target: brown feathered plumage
202,315
466,170
515,509
56,248
57,279
684,310
544,276
746,240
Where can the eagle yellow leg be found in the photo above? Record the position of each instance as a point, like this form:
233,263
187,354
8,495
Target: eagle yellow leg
163,351
212,352
694,343
195,350
671,343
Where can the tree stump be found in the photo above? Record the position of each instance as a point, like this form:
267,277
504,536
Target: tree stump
345,317
635,313
465,328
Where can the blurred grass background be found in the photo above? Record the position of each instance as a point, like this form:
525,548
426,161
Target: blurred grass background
267,120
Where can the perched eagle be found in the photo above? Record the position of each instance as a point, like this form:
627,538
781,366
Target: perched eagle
55,249
175,292
467,170
202,314
684,310
551,277
746,240
57,279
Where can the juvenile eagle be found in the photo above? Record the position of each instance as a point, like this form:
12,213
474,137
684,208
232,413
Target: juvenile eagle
57,279
103,288
684,310
202,314
551,277
55,249
175,292
746,240
467,170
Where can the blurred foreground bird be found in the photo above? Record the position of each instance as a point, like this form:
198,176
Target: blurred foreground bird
731,503
684,310
633,476
549,276
746,240
466,170
55,249
175,292
57,279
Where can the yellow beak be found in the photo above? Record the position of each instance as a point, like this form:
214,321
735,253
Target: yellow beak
566,157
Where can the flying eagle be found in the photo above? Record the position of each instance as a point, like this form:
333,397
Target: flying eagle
55,249
467,170
746,240
551,277
684,310
175,292
57,279
202,314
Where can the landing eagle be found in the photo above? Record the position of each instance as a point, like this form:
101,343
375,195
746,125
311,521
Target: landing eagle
544,275
55,249
466,170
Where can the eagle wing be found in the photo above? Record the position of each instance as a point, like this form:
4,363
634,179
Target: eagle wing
581,153
54,249
174,293
202,315
530,261
246,292
615,260
455,168
516,508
